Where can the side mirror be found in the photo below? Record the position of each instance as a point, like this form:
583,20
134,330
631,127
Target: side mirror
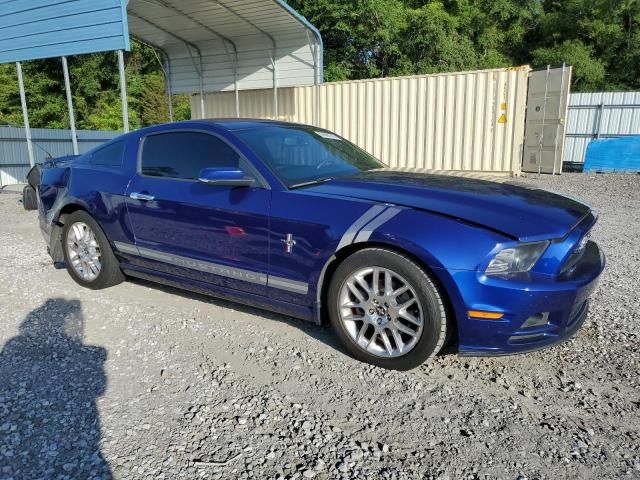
228,176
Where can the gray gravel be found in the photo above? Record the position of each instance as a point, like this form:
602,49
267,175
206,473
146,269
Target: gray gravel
140,381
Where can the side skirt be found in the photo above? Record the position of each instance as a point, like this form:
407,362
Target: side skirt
256,301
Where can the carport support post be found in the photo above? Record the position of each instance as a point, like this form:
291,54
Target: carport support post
201,78
203,115
169,89
72,120
235,83
25,114
123,92
275,86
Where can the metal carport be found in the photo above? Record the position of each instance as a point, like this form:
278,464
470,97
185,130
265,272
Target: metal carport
207,45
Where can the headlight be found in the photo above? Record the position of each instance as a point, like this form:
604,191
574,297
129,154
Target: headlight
517,259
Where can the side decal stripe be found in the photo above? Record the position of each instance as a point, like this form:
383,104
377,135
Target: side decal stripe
290,285
350,234
126,248
203,266
215,268
366,232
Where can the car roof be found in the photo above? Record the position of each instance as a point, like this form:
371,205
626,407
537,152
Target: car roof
243,123
230,124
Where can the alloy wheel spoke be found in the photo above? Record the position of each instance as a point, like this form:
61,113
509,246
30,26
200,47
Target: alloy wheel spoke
388,284
362,331
77,231
408,303
353,318
350,304
372,339
376,282
399,291
403,328
92,268
387,343
398,339
356,293
407,316
365,286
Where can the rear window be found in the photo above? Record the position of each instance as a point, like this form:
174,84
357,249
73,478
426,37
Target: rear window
109,156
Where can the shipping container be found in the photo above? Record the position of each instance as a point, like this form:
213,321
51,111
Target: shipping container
467,121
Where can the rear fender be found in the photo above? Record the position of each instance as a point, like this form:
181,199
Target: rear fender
55,199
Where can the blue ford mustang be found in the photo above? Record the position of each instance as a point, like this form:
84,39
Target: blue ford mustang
298,220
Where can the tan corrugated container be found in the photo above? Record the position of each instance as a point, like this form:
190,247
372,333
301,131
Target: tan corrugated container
467,121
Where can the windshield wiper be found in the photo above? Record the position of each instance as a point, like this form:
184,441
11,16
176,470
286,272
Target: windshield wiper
310,182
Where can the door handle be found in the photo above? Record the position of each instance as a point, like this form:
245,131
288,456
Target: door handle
141,196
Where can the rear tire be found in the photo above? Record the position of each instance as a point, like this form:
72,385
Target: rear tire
365,306
29,198
87,254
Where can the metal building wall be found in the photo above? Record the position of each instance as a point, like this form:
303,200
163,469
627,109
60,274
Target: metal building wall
32,29
14,159
599,115
469,121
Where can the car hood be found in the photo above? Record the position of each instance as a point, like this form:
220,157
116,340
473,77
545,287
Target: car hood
517,210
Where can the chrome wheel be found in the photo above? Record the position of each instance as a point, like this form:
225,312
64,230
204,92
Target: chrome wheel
381,311
83,251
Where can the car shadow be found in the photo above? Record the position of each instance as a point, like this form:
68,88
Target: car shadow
49,383
322,333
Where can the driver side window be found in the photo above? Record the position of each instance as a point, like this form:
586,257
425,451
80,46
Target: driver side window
182,155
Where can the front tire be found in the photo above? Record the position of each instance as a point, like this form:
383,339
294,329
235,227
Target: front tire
87,253
386,310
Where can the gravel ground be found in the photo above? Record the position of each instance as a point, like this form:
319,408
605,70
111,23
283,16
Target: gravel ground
140,381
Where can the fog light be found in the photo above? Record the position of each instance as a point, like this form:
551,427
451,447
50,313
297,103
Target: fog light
537,320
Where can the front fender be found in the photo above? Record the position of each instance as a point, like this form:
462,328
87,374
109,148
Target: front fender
441,243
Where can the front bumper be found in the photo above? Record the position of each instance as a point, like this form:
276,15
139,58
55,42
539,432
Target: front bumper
558,306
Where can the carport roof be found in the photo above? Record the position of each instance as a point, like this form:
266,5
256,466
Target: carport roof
229,43
209,45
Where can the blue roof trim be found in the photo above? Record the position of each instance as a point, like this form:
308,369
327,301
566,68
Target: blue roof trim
36,29
125,25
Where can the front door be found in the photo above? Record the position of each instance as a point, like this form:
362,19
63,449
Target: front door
182,227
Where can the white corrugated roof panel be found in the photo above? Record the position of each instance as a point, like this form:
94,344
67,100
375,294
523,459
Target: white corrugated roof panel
217,38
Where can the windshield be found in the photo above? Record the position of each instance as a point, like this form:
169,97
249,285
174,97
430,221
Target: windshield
301,155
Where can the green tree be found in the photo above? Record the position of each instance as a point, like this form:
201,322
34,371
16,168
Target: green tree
433,43
600,38
589,72
95,91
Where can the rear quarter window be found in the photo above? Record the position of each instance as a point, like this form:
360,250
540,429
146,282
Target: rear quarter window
108,156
